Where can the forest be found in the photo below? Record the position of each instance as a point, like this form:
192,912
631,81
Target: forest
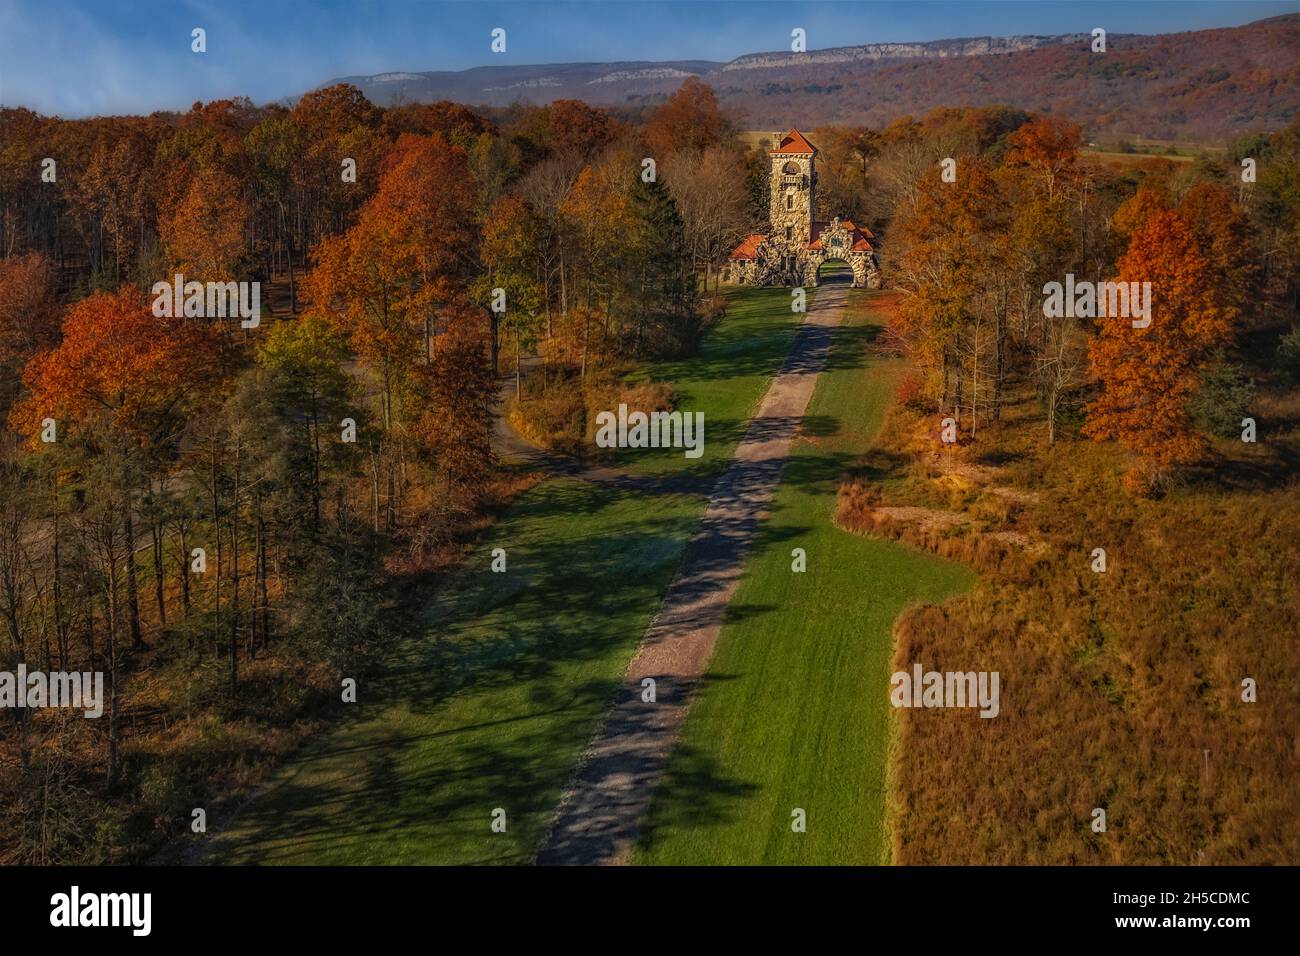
230,521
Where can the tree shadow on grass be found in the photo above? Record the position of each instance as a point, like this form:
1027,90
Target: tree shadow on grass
423,797
695,795
488,708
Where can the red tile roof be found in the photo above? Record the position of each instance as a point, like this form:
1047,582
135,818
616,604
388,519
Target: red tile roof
794,142
859,239
748,249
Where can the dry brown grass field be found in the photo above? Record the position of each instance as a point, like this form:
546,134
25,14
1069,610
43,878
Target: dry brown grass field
1121,690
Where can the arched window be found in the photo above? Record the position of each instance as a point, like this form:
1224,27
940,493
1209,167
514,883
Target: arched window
791,169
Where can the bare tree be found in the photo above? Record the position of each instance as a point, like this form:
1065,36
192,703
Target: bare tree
709,189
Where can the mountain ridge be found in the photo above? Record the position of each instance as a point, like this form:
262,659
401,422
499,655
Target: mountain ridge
1193,85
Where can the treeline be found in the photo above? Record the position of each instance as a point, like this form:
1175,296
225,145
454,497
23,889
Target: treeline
212,515
984,225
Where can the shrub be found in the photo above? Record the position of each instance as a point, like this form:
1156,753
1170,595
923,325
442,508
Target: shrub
911,393
714,310
1288,354
1222,400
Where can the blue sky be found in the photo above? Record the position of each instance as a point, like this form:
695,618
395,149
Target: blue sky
86,57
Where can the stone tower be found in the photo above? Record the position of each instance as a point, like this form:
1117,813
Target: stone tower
794,183
796,245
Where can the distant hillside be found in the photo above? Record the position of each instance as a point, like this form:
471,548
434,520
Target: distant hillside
1206,85
603,83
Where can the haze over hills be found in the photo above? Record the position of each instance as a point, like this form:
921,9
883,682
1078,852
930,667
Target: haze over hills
1206,85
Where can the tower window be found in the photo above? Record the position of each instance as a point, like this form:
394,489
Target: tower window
791,169
789,232
789,200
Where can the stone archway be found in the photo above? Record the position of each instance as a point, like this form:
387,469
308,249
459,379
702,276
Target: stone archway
819,271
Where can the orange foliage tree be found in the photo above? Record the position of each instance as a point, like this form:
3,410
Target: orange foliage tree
382,282
690,119
950,246
1137,209
118,365
119,384
1147,375
1223,232
1049,147
28,311
573,126
456,428
206,234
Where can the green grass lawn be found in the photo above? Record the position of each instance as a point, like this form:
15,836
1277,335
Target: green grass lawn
726,380
493,705
794,711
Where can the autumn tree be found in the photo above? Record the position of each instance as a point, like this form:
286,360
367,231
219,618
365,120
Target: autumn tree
28,316
276,147
456,428
338,123
602,221
1147,376
1223,233
1275,204
1048,146
951,249
1138,209
573,126
457,124
512,238
382,282
206,235
119,385
843,188
690,119
546,188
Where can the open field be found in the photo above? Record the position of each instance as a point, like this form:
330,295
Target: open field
794,712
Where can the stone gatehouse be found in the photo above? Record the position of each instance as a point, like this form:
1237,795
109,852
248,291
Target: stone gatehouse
796,245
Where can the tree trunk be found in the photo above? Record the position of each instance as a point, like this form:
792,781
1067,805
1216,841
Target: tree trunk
234,574
156,529
266,603
216,534
111,620
60,621
132,593
185,570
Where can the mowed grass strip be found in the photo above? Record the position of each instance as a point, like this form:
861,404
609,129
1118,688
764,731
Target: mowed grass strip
794,712
726,380
492,706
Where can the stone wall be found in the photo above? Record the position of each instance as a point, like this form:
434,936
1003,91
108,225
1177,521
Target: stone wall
793,183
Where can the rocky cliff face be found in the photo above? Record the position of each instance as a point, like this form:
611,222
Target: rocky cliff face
874,52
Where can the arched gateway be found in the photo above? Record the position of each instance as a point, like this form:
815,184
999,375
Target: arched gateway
796,244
